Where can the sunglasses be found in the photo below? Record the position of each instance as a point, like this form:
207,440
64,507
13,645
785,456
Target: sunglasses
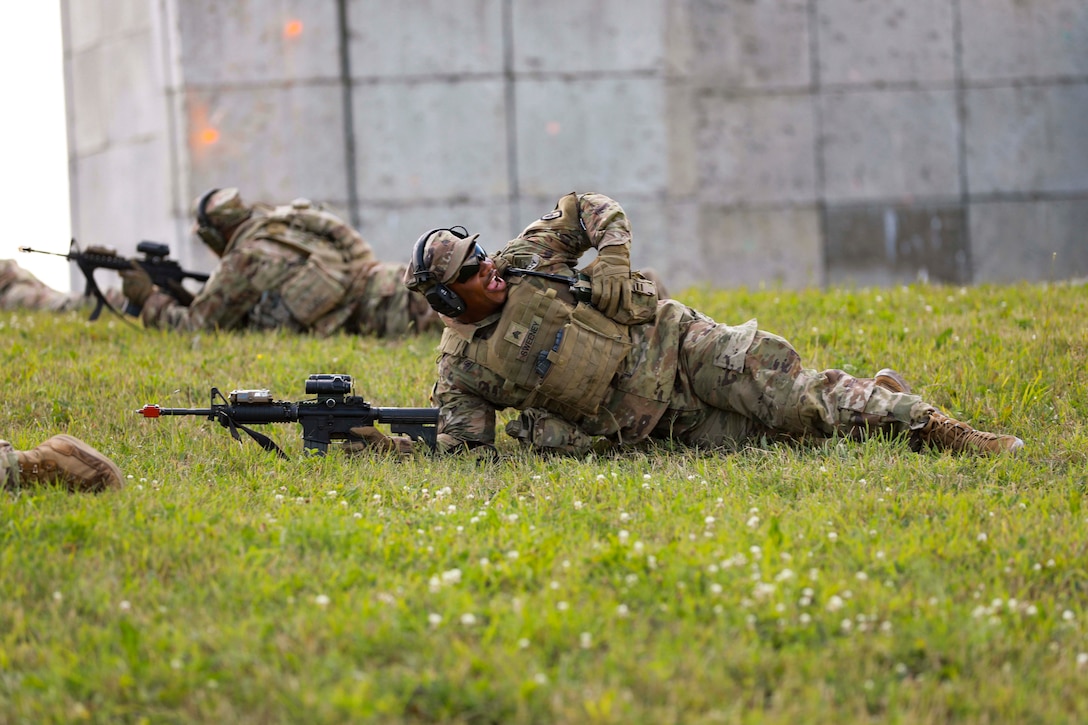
471,266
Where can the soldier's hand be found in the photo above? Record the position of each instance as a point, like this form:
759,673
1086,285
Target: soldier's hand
101,250
367,438
610,280
136,285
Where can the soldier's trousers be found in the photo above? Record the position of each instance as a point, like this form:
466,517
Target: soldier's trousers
21,290
738,383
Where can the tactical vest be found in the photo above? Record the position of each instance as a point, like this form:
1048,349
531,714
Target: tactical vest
564,355
320,294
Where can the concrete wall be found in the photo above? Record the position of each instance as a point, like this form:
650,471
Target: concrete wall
785,142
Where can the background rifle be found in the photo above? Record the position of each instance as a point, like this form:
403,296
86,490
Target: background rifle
165,273
331,415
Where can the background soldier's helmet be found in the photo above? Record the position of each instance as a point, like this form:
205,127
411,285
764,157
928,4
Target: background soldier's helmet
216,211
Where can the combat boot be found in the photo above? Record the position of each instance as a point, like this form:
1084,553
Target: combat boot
68,461
891,380
945,433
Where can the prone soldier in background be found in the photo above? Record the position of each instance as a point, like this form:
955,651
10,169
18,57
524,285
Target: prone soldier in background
295,266
61,459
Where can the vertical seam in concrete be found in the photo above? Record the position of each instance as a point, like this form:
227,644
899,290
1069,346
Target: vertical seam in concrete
70,120
961,134
349,116
510,102
817,140
172,102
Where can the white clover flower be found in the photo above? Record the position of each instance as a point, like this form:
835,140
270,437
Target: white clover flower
861,576
709,520
1082,659
511,554
321,600
57,596
1068,615
624,516
715,588
452,576
125,605
562,606
332,493
645,477
468,619
540,678
982,537
624,535
523,643
512,517
835,603
585,640
784,575
805,618
578,505
832,536
622,611
485,562
752,522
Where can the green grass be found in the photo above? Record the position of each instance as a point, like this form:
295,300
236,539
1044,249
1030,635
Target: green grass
851,583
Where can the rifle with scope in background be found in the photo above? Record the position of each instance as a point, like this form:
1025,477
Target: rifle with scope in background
329,416
167,274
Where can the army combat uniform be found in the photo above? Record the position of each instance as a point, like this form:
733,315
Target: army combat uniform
667,373
21,290
301,268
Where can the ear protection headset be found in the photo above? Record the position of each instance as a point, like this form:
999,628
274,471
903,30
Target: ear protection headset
441,298
205,229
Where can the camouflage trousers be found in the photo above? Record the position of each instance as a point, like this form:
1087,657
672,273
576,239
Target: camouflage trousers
737,384
21,290
389,309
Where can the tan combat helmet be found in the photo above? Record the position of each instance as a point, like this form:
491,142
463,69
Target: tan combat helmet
216,212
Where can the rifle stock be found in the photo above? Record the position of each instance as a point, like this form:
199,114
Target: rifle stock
329,416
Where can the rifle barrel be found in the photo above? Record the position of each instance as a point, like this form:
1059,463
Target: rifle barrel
155,411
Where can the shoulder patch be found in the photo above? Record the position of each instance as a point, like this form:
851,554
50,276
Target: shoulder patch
554,214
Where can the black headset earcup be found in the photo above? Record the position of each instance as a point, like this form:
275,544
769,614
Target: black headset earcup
445,301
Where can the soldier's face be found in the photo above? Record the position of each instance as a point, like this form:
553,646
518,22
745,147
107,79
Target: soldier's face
483,293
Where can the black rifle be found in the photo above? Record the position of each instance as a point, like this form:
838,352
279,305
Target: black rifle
166,273
331,415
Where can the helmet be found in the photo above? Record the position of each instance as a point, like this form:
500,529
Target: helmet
216,211
436,260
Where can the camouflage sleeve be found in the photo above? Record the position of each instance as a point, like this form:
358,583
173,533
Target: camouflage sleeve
549,433
468,396
9,466
605,221
227,298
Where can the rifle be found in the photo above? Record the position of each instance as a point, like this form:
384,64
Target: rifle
165,273
330,415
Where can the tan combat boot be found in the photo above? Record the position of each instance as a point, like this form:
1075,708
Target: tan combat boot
891,380
68,461
944,433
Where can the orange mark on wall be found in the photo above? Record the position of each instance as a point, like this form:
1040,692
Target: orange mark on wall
208,135
292,29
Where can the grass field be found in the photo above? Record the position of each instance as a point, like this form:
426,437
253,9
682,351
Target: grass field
849,583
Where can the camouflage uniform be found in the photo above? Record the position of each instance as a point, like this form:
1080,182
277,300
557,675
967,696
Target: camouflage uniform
683,377
301,268
21,290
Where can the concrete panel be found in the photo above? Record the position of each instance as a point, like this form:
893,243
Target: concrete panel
882,41
85,103
884,245
1032,240
593,36
141,171
393,230
761,44
425,38
1027,138
755,149
256,41
1009,39
85,21
598,134
739,247
130,97
277,143
439,141
889,144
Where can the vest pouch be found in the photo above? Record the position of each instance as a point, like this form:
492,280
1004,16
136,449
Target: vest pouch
312,292
584,362
642,302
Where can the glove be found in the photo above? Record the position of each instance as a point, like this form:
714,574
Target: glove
66,460
610,278
367,438
100,251
136,285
